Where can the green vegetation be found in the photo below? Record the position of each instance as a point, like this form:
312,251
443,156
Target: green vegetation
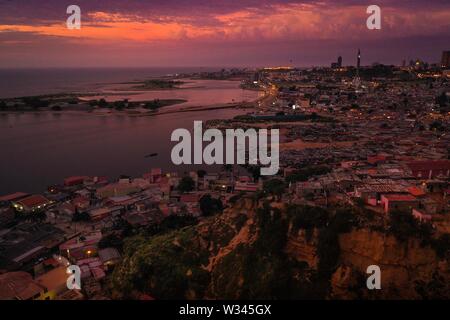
284,118
157,103
437,126
201,173
404,226
259,269
274,187
443,101
435,289
171,265
330,225
120,105
168,266
442,246
254,170
227,167
236,197
171,223
210,206
272,230
81,216
262,270
328,249
126,104
304,174
186,184
111,240
307,217
155,84
35,102
102,103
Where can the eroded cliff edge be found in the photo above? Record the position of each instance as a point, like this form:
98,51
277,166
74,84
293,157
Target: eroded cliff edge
261,250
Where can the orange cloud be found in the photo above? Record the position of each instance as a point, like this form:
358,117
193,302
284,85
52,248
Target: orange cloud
295,21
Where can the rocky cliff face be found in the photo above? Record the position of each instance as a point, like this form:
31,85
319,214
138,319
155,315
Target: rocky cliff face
408,269
249,253
302,246
405,266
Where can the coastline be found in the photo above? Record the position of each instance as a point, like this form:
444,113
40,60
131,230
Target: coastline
82,100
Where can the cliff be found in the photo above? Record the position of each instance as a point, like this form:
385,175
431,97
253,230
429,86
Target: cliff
255,251
407,268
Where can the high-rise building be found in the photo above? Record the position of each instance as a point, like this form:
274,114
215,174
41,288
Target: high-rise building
359,61
357,80
445,63
338,64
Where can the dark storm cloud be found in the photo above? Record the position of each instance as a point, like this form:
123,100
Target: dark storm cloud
218,32
42,11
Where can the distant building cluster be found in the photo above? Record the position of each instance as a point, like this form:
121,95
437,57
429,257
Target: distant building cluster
381,143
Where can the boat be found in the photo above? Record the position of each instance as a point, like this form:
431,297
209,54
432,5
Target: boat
151,155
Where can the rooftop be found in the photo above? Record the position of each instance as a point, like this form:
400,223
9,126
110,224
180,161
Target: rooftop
53,279
13,196
400,197
33,201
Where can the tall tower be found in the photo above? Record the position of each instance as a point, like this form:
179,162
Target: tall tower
357,80
445,63
358,64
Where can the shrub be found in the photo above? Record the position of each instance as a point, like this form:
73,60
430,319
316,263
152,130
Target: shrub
307,217
404,226
210,206
274,187
186,184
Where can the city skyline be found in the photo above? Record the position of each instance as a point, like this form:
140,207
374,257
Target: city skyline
216,34
216,158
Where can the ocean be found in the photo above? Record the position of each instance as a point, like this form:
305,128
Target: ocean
40,149
30,82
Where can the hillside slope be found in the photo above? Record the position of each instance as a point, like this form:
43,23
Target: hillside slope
262,251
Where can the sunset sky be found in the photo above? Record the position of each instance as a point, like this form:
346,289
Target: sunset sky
225,33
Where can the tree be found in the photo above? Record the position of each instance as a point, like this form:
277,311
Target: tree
305,173
186,184
120,105
201,173
170,223
442,100
307,217
109,241
36,103
403,226
254,170
437,126
102,103
81,216
360,202
275,187
153,105
442,245
210,206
